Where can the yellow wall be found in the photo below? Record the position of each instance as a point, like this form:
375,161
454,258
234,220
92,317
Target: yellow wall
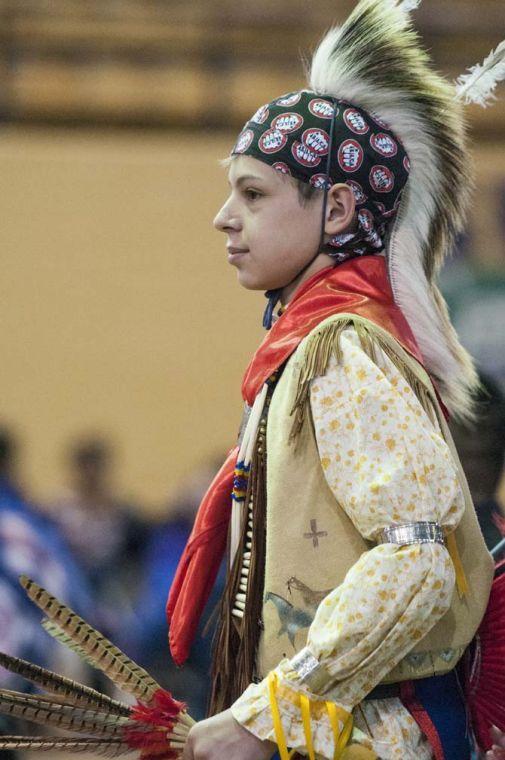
118,309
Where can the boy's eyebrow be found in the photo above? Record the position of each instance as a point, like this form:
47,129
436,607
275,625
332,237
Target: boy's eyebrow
246,178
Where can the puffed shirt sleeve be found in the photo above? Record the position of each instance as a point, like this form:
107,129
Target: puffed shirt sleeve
386,462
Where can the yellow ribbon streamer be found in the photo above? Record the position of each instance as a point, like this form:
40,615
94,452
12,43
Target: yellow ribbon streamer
461,581
335,727
345,735
340,738
305,708
336,714
276,718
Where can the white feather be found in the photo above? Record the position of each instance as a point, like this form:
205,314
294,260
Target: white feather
409,5
478,85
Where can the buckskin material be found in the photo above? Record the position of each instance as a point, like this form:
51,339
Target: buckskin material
295,479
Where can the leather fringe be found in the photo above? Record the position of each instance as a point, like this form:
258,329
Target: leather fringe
236,640
325,343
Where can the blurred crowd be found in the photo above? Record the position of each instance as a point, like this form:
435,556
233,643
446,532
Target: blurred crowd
114,566
102,556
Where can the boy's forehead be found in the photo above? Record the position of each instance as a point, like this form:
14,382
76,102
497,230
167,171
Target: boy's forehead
247,166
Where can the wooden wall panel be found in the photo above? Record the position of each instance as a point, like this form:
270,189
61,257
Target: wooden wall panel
163,63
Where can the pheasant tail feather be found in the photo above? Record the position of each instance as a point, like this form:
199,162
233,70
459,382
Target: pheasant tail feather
54,630
101,747
122,671
38,709
69,690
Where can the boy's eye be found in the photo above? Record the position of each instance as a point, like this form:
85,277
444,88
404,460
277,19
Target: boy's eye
252,195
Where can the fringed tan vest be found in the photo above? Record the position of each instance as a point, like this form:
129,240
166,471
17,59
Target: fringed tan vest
310,541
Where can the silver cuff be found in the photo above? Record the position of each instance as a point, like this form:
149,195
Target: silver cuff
412,533
310,671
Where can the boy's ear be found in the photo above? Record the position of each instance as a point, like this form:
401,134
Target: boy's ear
340,209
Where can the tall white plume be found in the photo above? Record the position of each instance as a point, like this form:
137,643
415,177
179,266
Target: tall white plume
478,85
374,60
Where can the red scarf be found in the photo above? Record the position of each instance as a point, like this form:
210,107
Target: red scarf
358,286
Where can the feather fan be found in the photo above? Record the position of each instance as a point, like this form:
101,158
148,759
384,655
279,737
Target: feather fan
156,726
486,681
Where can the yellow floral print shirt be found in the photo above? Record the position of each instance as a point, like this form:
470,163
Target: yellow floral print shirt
387,463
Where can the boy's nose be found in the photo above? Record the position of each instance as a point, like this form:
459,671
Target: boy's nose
226,220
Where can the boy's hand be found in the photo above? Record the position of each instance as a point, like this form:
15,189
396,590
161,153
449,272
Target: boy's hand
498,751
222,736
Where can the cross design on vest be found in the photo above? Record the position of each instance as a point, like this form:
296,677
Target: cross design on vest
315,534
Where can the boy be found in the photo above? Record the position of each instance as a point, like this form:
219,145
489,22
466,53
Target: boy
358,574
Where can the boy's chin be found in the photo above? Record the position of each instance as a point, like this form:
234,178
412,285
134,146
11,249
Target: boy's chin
251,282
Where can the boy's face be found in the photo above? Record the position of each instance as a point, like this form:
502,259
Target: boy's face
270,235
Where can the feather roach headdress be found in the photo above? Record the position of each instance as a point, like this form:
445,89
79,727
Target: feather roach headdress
375,61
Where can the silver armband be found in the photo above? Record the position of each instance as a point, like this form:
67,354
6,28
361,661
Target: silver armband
310,671
412,533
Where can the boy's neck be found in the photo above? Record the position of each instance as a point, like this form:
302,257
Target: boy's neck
322,261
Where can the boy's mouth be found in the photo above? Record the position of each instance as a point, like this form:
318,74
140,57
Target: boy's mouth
233,250
235,253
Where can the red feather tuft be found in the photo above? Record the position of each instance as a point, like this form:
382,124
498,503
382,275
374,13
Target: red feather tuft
163,710
161,713
152,744
145,739
166,702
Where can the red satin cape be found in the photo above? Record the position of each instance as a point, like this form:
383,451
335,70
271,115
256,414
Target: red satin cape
359,286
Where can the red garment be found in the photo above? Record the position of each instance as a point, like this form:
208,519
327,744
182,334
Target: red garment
358,286
200,561
421,717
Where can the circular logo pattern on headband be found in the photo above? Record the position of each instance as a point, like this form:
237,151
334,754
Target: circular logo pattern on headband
341,239
366,222
365,218
289,100
304,155
316,140
281,167
382,179
359,194
261,115
406,163
244,140
287,122
321,108
272,141
355,121
350,155
320,181
384,144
